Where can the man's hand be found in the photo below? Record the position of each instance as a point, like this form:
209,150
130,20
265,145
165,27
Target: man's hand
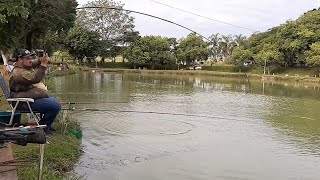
44,60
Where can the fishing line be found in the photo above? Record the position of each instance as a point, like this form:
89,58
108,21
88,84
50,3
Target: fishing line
203,16
74,103
154,112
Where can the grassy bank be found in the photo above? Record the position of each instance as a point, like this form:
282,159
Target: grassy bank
275,78
61,153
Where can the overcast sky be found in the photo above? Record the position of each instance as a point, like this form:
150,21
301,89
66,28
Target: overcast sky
259,15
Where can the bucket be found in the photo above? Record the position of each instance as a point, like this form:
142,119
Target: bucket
5,118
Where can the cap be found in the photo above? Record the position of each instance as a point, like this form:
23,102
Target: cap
25,53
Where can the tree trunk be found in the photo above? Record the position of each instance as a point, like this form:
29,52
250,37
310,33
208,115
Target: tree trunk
29,41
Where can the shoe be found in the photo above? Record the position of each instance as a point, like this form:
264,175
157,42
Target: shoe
52,129
47,131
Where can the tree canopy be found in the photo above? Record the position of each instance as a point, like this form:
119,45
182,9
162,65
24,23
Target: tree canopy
26,24
191,49
82,42
152,50
111,24
12,17
287,44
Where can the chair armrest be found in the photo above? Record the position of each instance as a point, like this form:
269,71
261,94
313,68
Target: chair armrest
20,99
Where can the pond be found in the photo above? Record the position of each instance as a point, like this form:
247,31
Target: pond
193,127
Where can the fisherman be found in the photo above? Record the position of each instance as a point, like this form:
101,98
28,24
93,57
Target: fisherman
25,82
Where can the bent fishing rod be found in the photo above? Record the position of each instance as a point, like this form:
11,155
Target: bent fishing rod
162,19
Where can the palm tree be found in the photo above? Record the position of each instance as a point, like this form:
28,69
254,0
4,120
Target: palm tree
239,39
215,40
227,44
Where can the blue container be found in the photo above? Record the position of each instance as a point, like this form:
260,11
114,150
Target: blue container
5,118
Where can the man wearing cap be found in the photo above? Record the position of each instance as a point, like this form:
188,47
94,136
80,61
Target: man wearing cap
25,82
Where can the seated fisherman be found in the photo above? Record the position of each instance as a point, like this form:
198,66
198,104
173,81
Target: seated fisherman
25,82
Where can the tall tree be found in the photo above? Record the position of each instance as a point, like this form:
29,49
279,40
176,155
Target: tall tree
81,42
227,45
214,43
125,40
313,55
55,16
239,39
12,18
111,24
240,55
152,50
191,49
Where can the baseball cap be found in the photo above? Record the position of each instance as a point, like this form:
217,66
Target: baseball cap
25,53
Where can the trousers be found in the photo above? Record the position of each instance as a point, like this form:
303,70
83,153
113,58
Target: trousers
48,107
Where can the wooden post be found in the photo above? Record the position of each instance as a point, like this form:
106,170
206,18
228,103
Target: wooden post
7,172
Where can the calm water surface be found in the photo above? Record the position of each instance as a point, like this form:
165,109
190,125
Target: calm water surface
209,128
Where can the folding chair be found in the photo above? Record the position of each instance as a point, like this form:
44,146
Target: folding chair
14,102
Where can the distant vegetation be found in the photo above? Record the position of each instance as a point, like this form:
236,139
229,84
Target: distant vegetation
295,43
84,35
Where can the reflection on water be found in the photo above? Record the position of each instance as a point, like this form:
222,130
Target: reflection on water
237,131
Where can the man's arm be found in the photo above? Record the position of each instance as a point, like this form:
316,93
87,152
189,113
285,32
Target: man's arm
36,63
28,77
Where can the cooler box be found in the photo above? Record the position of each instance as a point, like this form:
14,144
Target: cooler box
5,118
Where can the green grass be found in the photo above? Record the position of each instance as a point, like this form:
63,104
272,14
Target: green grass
61,154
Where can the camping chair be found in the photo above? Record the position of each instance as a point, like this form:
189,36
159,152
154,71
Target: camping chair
14,102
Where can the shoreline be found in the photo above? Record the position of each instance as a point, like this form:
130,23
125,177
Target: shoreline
258,77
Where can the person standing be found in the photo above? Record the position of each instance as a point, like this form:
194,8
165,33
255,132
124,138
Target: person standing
25,82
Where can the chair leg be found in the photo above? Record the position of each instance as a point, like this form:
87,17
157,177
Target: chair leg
33,114
41,148
13,112
63,121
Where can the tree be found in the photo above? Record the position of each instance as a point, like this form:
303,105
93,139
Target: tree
54,16
313,55
126,39
239,39
240,55
152,50
269,54
227,45
25,24
215,40
81,42
111,24
12,18
12,8
288,43
191,49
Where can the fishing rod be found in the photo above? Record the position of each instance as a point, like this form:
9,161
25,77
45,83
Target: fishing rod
137,12
156,17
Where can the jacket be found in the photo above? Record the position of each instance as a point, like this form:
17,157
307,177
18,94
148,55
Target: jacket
22,80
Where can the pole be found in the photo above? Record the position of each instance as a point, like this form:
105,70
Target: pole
265,64
41,147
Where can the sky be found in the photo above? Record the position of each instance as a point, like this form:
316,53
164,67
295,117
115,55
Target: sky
256,15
